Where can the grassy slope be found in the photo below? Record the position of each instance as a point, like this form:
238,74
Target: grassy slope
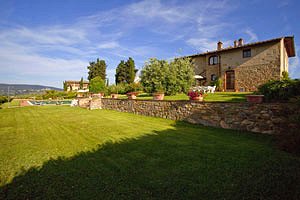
63,152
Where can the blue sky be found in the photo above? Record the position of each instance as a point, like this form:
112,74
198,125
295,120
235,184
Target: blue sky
46,42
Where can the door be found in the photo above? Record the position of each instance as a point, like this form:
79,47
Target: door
230,80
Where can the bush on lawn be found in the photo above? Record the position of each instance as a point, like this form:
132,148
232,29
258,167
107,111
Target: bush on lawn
281,90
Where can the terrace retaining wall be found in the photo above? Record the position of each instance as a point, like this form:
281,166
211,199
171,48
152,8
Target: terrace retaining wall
267,118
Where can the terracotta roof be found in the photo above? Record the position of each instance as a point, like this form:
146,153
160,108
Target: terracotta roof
288,42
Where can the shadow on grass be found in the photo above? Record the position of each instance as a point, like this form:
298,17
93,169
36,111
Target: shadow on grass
187,162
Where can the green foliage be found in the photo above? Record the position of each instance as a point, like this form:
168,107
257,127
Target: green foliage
131,71
180,77
97,68
81,83
3,99
120,76
65,86
133,87
97,85
285,75
125,72
218,83
54,94
171,78
280,90
154,75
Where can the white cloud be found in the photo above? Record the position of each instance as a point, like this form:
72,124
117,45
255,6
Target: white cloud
251,34
62,51
109,45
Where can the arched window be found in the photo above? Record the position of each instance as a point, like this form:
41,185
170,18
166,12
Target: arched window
213,60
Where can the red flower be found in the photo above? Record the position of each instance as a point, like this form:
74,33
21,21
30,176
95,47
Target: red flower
193,94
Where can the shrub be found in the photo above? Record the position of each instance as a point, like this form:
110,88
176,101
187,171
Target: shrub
218,83
280,90
97,85
133,87
3,99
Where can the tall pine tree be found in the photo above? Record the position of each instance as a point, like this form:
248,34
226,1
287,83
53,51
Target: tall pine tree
125,72
131,71
97,68
121,73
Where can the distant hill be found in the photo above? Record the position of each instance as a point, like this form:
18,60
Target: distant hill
16,89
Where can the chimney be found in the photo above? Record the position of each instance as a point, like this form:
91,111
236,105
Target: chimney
241,42
220,45
235,43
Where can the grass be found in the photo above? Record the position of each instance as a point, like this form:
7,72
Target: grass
13,103
55,152
209,97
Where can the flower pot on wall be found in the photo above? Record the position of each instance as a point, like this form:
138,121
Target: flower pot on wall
114,96
98,95
199,98
255,98
158,96
132,95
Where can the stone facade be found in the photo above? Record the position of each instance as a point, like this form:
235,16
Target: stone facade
75,85
275,118
267,60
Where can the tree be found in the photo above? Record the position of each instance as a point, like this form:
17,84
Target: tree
97,85
121,73
181,76
97,68
131,71
81,83
171,78
153,75
65,86
125,72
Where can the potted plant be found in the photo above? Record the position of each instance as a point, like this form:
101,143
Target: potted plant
133,90
113,89
159,93
255,98
132,95
195,95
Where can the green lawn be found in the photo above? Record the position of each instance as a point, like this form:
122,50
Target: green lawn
13,103
209,97
55,152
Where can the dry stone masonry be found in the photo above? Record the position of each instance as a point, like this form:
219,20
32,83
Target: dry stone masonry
266,118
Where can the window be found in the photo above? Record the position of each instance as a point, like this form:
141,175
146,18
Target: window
213,77
213,60
246,53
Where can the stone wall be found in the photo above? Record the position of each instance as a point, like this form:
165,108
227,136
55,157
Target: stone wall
275,118
95,104
84,102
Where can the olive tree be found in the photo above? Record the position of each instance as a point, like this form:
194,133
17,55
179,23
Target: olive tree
168,77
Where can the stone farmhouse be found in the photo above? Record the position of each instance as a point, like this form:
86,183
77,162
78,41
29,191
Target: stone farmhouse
75,85
243,67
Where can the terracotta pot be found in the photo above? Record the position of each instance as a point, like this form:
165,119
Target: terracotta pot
99,95
255,98
158,96
114,96
131,96
200,98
